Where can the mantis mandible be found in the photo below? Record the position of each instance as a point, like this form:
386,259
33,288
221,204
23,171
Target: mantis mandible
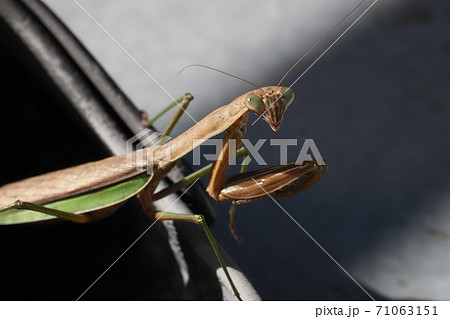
91,191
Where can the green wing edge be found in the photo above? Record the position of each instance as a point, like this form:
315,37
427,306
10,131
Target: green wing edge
85,203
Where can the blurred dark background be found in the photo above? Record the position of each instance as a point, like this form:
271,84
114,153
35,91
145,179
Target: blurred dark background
376,106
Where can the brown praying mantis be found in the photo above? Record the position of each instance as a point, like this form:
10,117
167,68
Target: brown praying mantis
91,191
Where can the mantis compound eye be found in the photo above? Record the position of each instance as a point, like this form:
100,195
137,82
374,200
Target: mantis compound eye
254,103
287,97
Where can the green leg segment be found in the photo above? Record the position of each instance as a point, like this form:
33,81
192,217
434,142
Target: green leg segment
183,103
197,219
185,100
200,220
19,205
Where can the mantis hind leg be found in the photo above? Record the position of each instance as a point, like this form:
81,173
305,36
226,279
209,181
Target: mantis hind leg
200,220
19,206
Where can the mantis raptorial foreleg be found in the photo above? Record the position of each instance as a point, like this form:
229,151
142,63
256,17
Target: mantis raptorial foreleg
98,188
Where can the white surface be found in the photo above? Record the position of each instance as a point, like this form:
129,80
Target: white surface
246,291
376,105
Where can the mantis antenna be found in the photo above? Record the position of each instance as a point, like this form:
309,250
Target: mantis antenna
318,42
309,51
220,71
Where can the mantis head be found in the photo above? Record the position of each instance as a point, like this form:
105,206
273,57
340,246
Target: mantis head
270,103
